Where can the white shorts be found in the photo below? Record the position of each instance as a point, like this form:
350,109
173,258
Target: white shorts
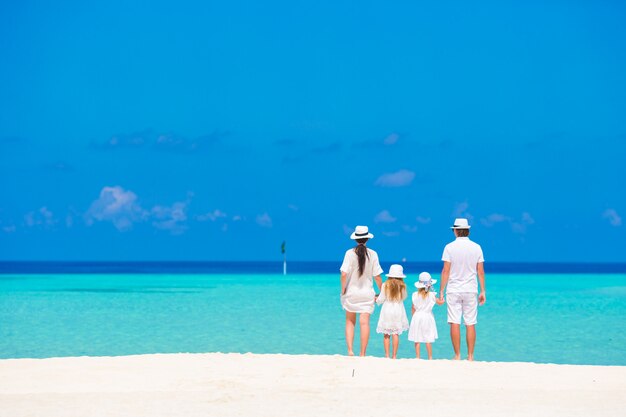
462,303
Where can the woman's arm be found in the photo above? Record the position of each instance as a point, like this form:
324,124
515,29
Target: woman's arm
381,297
379,282
343,279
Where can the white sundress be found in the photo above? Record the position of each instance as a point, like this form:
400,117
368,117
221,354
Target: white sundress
393,319
359,296
423,327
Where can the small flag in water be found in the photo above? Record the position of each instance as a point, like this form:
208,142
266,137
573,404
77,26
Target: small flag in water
282,248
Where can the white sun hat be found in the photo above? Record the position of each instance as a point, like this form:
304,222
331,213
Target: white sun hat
361,232
396,271
460,224
425,280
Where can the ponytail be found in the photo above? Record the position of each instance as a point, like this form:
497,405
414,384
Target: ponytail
361,253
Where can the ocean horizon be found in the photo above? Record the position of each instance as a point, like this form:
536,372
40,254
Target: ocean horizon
294,267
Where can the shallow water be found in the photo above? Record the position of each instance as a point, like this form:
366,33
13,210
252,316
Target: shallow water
557,318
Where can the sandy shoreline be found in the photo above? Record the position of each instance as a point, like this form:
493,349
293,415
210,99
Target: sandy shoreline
285,385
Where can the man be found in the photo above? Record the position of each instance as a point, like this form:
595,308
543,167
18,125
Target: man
462,262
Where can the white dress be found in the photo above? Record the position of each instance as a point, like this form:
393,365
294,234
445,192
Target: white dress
423,328
359,296
393,319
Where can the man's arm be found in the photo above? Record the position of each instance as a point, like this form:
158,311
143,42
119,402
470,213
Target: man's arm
445,274
343,279
480,270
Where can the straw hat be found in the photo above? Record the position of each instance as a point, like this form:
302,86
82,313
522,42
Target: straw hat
361,232
425,280
396,271
460,224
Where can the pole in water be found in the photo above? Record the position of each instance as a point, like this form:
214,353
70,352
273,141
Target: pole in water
284,252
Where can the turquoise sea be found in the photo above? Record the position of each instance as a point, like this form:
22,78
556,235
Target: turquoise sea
574,318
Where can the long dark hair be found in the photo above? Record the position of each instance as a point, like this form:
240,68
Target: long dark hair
361,253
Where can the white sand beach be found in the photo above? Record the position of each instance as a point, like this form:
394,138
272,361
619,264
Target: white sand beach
287,385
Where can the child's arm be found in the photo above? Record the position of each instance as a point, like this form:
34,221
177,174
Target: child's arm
412,309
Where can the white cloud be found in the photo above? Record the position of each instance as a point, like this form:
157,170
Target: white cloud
212,216
391,234
347,229
41,217
460,209
9,229
293,207
264,220
392,139
237,218
384,217
171,218
400,178
611,215
494,218
423,220
527,218
409,229
517,226
117,205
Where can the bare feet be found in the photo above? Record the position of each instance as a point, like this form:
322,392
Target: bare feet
470,358
350,353
457,358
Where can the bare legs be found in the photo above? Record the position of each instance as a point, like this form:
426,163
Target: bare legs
470,337
386,344
429,349
396,342
455,336
364,323
350,322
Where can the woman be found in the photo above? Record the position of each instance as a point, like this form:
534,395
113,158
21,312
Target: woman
360,267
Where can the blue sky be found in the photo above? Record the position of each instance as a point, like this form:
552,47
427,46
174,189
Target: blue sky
214,130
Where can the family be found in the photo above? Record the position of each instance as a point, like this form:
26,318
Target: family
463,265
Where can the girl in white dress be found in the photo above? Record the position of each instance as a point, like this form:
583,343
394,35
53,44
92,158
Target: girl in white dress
393,320
359,269
423,328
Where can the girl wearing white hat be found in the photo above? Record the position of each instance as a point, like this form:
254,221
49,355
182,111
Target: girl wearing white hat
393,320
423,328
359,269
